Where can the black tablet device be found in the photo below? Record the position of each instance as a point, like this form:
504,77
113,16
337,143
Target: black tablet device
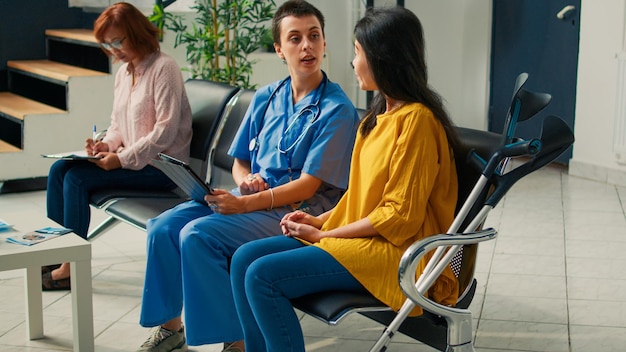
184,176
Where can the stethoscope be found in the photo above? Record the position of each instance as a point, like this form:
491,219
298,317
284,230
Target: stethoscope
312,110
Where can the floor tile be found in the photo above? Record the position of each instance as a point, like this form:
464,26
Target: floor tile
506,335
525,309
594,338
530,247
596,289
526,286
597,313
10,321
526,264
600,268
594,249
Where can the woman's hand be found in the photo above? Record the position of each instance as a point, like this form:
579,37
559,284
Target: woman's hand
304,231
224,202
108,161
302,218
94,148
253,183
302,225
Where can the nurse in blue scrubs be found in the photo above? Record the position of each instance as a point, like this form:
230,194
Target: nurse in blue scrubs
292,151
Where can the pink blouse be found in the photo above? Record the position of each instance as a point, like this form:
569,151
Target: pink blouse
151,117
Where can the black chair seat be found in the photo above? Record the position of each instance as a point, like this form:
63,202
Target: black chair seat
137,211
331,306
101,197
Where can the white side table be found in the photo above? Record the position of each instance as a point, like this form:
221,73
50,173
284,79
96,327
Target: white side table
67,248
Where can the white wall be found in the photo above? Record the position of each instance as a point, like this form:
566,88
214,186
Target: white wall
601,39
458,39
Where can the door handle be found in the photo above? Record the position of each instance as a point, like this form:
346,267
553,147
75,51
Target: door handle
565,11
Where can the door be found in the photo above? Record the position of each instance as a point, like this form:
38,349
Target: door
539,37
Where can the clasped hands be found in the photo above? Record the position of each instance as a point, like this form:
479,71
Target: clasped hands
302,225
108,160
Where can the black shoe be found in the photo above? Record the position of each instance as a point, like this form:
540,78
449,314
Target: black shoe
48,284
49,268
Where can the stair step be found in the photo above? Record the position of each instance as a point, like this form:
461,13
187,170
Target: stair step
77,47
80,35
18,106
51,69
8,148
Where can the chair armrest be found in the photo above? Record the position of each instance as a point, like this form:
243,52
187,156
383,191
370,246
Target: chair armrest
412,256
459,320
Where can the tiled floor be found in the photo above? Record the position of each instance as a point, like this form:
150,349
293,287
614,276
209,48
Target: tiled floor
553,280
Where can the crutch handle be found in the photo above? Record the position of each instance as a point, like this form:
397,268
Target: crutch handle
521,148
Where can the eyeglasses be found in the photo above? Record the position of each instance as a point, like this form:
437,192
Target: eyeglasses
113,45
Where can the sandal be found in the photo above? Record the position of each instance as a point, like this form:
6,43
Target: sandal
48,268
48,284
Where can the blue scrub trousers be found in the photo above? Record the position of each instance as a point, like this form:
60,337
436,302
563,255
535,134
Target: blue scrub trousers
70,182
266,274
188,255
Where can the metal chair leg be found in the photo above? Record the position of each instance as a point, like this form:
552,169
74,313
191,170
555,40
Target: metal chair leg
103,227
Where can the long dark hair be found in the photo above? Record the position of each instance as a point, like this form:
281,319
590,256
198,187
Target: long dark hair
393,41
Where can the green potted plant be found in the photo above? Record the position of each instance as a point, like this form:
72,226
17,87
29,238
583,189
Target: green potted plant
267,41
220,37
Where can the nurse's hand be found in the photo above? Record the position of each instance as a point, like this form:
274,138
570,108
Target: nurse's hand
253,183
224,202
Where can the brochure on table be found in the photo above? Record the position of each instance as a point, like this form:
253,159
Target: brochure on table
37,236
4,226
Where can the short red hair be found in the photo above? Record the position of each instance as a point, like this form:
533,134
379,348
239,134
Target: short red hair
140,33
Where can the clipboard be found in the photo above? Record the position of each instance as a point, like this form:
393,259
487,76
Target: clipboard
77,155
183,175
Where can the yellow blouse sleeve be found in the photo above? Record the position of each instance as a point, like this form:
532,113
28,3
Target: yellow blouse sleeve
413,172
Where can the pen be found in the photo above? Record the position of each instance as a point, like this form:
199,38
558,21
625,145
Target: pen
94,134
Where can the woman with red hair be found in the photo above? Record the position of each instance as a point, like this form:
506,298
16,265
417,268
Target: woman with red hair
150,114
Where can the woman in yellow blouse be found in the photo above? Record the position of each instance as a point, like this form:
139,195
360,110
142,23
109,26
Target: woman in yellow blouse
402,188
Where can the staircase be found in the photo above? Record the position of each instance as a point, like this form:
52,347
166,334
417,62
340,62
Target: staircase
52,104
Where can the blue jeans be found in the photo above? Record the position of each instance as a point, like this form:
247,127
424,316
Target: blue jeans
71,182
266,274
